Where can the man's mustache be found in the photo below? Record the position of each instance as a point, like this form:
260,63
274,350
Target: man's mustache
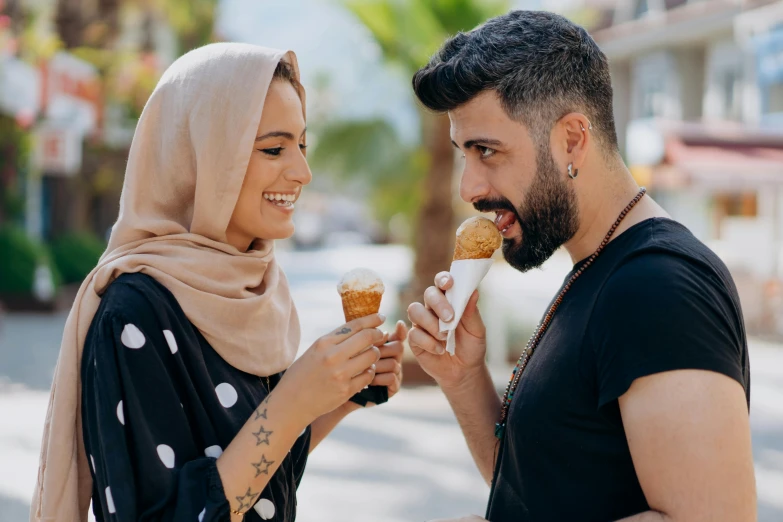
493,205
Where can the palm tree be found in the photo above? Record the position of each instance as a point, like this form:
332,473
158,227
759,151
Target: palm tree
408,33
193,21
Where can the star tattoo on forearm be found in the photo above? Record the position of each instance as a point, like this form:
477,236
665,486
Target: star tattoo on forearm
248,497
263,463
261,411
260,414
262,436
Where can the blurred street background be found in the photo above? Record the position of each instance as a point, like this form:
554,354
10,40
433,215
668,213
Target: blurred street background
699,113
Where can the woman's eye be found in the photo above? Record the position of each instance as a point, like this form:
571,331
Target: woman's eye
302,146
272,152
485,152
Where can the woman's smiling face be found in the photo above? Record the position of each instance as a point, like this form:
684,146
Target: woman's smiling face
276,173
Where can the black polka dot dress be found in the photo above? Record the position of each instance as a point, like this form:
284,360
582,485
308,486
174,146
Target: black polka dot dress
159,405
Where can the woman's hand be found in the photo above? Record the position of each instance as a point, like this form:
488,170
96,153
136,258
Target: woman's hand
334,368
389,369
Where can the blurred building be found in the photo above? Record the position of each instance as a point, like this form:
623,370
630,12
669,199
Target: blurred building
699,113
75,74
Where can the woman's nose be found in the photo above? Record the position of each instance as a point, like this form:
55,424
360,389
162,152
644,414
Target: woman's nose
299,171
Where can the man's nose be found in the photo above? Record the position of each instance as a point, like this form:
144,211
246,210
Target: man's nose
473,186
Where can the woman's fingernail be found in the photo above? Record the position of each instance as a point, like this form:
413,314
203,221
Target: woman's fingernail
372,367
442,280
440,350
443,335
383,317
448,315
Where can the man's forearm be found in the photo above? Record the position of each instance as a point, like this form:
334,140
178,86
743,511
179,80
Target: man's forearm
477,407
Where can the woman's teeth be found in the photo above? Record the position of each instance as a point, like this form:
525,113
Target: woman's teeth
281,200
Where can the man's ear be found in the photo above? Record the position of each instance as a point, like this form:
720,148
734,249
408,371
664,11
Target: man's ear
573,138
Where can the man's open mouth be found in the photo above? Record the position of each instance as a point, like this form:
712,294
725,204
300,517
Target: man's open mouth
504,220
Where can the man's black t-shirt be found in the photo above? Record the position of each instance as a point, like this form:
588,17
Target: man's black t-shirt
655,300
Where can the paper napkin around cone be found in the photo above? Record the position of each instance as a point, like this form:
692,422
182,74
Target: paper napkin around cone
467,275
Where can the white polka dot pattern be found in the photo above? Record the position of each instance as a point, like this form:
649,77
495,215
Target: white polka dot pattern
213,451
265,509
227,395
172,342
132,337
166,455
110,501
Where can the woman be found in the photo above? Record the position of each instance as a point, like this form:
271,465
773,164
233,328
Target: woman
170,400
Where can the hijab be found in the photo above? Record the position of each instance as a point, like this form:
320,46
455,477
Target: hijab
185,170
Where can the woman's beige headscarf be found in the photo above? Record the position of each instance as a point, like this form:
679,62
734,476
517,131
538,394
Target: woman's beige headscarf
185,171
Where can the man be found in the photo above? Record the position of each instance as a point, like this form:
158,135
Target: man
634,403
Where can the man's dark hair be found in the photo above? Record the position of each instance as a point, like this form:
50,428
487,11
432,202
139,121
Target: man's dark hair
542,66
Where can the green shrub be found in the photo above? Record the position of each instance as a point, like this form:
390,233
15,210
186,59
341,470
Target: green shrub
19,257
76,254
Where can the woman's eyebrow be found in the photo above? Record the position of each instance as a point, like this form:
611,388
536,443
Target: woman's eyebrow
279,134
276,134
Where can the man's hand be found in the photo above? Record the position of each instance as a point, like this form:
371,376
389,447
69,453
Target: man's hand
429,346
463,377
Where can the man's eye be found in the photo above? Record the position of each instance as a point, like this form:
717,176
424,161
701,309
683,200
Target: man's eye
485,152
272,152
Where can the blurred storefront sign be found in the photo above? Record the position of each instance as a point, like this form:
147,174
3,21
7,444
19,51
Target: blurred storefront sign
675,154
20,89
71,93
58,149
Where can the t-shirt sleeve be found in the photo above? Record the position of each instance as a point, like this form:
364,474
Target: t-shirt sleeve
145,463
660,313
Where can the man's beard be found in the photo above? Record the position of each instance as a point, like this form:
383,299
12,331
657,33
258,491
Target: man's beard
548,218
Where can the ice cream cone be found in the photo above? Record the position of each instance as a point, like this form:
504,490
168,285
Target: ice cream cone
360,304
477,238
361,290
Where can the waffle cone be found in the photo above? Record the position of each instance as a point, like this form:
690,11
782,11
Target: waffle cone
360,304
462,253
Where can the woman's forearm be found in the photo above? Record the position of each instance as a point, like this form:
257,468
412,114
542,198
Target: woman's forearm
248,463
323,425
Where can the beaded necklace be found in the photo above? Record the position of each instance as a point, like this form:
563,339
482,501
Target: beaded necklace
500,426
